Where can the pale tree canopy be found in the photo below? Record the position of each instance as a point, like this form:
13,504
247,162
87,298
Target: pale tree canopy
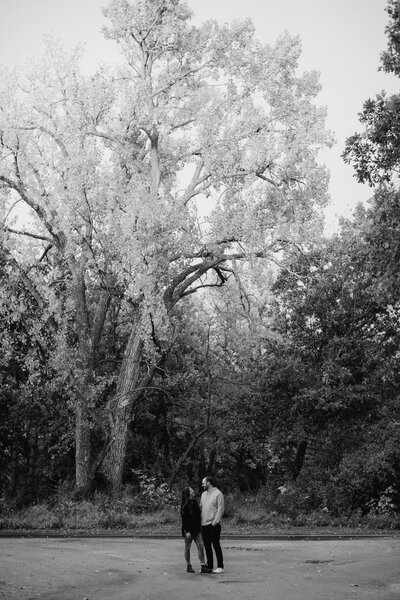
145,182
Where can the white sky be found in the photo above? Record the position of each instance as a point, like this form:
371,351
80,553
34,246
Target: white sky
342,39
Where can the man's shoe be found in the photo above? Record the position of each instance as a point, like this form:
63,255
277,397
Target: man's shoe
189,569
205,569
218,570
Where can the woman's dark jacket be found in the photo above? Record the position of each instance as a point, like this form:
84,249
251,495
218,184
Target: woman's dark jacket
191,518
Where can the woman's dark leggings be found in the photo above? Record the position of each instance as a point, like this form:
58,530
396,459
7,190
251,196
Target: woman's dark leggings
211,535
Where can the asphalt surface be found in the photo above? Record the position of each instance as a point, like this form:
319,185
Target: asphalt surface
149,569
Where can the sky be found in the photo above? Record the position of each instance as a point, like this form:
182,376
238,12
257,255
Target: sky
342,39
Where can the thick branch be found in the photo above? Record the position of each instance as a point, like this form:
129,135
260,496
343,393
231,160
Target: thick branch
44,253
48,132
35,207
192,189
184,280
116,141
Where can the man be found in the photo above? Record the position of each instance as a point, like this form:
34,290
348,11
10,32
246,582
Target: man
212,509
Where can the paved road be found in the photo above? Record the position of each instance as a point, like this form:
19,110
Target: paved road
148,569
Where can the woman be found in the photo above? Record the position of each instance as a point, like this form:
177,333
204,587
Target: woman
191,528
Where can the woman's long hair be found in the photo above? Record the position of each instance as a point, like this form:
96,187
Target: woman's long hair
185,500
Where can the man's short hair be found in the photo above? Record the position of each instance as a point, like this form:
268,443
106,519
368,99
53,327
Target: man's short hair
209,479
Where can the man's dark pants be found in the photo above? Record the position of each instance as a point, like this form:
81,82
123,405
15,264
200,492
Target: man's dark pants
211,535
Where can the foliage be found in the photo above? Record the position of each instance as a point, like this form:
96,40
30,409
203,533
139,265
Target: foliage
113,169
152,496
340,310
247,515
374,154
35,455
160,339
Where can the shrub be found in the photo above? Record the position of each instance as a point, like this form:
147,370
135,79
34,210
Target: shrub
112,519
385,504
38,516
151,496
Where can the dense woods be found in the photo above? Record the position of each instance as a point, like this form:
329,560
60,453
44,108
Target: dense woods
170,306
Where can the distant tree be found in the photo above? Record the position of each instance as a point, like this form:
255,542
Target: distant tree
375,153
339,306
36,432
375,156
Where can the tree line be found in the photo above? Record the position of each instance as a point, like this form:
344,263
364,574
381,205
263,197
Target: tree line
169,303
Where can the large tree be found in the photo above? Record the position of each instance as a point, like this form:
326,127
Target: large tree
115,168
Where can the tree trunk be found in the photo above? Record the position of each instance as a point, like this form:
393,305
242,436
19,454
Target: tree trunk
211,461
32,460
120,410
14,468
83,450
85,364
114,462
299,460
150,439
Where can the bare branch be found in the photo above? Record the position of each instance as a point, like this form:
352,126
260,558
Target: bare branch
19,188
50,134
183,124
180,78
45,252
281,265
267,179
29,234
14,204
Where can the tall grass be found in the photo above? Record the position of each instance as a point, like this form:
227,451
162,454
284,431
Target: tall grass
243,514
86,516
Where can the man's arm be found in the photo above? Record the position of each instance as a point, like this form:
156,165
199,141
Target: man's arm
220,509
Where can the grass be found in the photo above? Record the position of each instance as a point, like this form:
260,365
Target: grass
83,516
103,516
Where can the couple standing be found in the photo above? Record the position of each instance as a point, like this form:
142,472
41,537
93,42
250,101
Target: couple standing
203,525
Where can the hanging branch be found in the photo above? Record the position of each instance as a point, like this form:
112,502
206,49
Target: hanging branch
184,456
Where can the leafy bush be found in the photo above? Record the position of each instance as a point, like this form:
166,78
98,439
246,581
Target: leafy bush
385,504
152,496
